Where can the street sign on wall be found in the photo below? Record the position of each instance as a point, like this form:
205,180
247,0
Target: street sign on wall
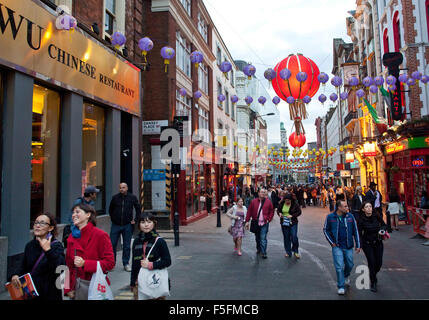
153,127
153,174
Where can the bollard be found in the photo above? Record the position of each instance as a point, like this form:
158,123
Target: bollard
218,225
176,229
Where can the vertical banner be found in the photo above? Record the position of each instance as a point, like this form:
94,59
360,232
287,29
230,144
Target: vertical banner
392,60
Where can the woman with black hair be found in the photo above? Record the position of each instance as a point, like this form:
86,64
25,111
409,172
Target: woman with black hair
372,230
289,210
42,256
159,257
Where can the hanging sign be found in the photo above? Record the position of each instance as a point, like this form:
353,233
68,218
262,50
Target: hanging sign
369,149
392,60
395,147
350,157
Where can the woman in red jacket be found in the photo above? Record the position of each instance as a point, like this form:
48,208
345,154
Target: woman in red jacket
84,249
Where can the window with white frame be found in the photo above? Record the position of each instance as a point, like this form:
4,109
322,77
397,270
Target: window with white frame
183,54
219,92
187,5
226,102
218,55
110,17
203,124
184,108
202,27
203,78
232,111
232,77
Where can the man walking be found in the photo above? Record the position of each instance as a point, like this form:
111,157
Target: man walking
340,229
261,210
121,213
374,196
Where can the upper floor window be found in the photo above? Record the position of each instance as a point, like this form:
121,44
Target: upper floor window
183,54
226,102
110,17
232,77
427,15
203,78
386,41
219,91
397,32
187,5
202,27
218,55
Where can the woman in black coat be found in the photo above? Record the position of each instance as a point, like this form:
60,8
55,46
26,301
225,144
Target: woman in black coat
357,202
42,256
159,257
289,210
370,225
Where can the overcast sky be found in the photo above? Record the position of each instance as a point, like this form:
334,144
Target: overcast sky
266,32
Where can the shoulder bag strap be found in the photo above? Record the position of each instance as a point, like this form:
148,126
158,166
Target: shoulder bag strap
150,251
40,258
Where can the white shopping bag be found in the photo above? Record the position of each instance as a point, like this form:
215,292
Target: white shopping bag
99,289
152,284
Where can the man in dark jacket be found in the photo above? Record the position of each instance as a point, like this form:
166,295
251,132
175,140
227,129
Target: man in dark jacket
374,196
121,213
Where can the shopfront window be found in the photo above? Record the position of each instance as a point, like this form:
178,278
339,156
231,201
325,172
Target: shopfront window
44,151
93,151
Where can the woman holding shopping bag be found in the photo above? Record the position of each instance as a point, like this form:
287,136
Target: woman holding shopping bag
237,214
86,250
149,252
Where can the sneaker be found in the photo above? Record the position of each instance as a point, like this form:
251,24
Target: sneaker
347,281
287,255
426,243
264,256
297,255
374,287
239,253
341,291
127,268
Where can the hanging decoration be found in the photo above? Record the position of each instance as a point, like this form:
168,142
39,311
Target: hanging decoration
322,98
249,70
360,93
276,100
65,21
323,78
403,78
379,81
333,97
145,45
118,40
298,81
183,92
248,100
367,82
373,89
344,95
167,53
196,58
234,99
354,82
197,95
425,79
225,67
262,100
270,75
297,141
221,98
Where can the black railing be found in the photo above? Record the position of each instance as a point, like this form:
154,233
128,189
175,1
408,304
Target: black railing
350,116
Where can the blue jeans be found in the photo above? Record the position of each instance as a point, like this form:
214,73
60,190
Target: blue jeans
127,233
343,262
261,239
290,238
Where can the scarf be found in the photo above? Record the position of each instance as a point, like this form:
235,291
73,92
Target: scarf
149,237
75,232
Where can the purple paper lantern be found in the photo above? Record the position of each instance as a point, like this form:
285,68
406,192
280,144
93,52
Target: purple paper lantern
290,100
360,93
118,39
322,98
270,74
196,58
306,99
167,53
367,82
249,70
425,79
411,82
416,75
301,76
285,74
66,22
344,95
276,100
221,98
197,94
323,78
379,81
225,67
262,100
336,81
183,92
392,88
234,99
373,89
391,80
354,81
333,97
248,100
145,45
403,78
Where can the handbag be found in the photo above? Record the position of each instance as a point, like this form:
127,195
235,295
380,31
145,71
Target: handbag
254,224
285,222
81,289
152,284
98,288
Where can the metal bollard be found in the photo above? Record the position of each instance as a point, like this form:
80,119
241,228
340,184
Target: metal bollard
219,224
176,229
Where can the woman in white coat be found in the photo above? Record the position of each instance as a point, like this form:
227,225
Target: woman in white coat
237,214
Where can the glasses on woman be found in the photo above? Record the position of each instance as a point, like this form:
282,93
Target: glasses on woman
41,223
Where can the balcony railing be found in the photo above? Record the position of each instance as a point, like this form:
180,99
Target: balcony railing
350,116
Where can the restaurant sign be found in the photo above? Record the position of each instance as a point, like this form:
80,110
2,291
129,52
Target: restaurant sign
31,43
395,147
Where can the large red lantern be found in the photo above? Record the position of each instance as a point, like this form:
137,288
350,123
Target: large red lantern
299,82
297,141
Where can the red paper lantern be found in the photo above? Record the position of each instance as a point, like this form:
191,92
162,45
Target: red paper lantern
297,141
292,87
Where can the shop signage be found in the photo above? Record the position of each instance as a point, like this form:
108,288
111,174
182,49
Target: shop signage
418,142
392,60
70,59
153,127
153,174
355,164
396,147
350,157
369,149
418,162
345,173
